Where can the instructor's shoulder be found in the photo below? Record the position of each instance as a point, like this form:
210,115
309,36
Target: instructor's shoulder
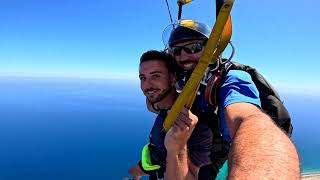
238,76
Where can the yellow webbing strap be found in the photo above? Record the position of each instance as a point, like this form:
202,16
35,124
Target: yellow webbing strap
224,39
190,89
223,42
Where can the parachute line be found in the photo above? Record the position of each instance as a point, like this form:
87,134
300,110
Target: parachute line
169,11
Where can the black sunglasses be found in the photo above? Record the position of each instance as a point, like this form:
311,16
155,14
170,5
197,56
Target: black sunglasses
188,48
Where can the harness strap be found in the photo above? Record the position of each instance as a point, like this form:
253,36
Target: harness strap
212,88
214,83
146,160
224,39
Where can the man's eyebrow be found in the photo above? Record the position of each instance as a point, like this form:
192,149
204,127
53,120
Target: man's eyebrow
155,72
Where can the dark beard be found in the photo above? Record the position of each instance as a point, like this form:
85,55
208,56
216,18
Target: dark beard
164,94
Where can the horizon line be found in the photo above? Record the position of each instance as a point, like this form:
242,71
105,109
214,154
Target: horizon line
101,77
282,89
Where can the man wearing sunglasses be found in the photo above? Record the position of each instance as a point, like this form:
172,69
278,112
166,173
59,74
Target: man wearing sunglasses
259,148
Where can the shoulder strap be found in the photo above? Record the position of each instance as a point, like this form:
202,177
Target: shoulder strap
269,97
264,87
214,83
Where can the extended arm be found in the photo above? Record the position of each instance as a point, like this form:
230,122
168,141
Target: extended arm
259,148
178,165
137,172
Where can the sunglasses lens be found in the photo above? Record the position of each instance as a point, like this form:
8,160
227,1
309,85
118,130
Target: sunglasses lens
195,48
176,50
189,49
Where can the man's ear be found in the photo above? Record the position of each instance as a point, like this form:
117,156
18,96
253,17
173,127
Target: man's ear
173,79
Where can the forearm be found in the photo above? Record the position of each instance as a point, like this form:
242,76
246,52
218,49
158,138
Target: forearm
177,165
261,149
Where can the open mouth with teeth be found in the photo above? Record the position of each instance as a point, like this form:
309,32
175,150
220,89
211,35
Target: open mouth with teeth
151,93
188,65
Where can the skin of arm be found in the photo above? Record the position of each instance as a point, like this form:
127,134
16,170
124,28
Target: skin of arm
259,148
178,165
136,172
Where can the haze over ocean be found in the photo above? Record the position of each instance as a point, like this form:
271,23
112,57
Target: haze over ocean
53,128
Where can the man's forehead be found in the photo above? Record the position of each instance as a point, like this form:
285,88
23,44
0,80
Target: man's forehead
152,66
154,63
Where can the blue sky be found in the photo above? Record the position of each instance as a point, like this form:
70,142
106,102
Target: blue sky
100,38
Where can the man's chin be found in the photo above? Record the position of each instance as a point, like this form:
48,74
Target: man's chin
152,100
189,69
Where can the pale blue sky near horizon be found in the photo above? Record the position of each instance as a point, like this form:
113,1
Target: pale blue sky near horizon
105,39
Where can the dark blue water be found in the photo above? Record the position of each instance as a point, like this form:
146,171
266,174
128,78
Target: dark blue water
70,129
95,129
305,115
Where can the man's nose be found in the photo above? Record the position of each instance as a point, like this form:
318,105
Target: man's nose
183,56
147,84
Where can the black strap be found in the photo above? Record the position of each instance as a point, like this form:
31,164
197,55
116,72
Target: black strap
218,6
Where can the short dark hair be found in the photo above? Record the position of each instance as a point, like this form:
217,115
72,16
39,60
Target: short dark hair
161,56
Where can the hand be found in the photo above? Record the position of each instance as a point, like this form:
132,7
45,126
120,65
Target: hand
136,172
178,135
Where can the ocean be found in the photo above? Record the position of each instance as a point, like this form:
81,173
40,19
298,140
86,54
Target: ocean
80,129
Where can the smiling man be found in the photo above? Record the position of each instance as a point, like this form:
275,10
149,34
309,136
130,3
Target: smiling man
258,147
157,78
157,82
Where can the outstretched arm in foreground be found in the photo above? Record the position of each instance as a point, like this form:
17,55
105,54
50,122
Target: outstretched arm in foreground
178,165
259,148
136,172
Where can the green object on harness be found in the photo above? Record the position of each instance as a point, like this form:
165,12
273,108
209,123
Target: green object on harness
146,160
